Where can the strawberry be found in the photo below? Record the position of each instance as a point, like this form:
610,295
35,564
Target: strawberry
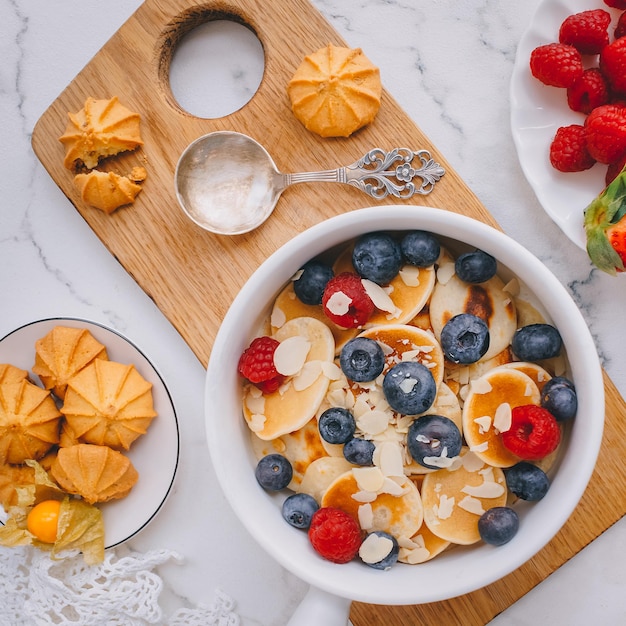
335,535
613,64
605,227
613,170
568,150
586,31
257,364
534,433
556,64
588,92
605,132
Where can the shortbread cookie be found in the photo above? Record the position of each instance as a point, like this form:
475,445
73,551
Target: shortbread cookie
335,91
62,353
102,128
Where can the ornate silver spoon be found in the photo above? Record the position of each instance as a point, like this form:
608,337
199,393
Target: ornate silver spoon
227,183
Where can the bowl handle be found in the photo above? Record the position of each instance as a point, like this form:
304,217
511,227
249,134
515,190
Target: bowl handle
318,607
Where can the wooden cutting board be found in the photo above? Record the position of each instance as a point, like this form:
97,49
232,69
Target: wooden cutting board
192,275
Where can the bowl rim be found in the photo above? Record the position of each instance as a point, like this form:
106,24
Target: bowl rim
431,581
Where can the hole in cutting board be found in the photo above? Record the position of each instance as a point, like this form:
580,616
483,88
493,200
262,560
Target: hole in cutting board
216,68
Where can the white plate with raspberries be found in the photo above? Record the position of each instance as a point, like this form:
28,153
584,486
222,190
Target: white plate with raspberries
539,110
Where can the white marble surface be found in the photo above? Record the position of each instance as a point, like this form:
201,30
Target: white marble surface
448,64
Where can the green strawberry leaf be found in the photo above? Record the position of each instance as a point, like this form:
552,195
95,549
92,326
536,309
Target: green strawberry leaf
605,210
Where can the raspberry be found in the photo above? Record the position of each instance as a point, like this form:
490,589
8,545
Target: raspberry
613,64
620,27
346,302
616,4
614,169
534,433
556,64
586,31
257,364
605,131
568,150
335,535
588,92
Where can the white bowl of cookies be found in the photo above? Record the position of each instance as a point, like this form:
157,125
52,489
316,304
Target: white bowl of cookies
403,405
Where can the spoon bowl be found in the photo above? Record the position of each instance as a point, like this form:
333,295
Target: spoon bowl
228,184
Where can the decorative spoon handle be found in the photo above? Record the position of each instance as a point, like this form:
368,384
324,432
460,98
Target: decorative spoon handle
380,174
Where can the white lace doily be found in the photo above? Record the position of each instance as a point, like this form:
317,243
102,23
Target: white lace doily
121,591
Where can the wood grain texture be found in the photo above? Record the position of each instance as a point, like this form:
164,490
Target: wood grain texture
192,275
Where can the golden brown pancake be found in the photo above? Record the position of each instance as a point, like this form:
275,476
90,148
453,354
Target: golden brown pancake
288,306
320,474
406,342
409,291
422,547
302,447
400,516
455,498
291,407
488,300
490,399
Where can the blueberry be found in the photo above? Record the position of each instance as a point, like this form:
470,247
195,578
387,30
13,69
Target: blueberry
362,359
464,338
527,481
475,267
310,285
536,342
377,257
559,397
274,472
391,559
359,451
298,509
420,248
336,425
409,388
498,525
433,436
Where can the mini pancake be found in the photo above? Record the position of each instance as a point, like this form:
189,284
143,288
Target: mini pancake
422,319
422,547
455,498
398,515
320,474
288,306
458,375
488,405
297,401
536,372
405,342
527,313
409,291
301,447
487,300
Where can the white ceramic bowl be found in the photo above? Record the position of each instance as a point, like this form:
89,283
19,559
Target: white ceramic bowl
451,574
